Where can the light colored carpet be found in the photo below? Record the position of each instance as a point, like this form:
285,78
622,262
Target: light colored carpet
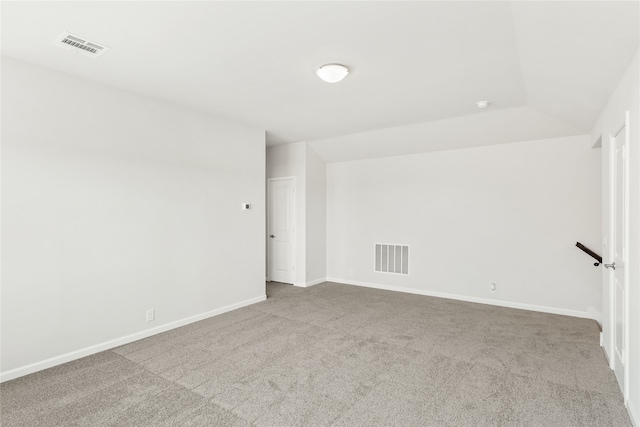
337,355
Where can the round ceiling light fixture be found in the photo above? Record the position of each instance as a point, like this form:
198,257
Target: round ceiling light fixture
482,104
332,73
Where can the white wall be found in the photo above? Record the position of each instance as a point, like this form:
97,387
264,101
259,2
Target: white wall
316,223
290,160
625,98
114,204
508,214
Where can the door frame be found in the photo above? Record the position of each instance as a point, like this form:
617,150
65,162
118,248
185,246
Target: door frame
294,221
625,249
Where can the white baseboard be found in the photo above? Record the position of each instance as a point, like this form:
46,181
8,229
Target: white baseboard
310,283
88,351
635,420
488,301
316,282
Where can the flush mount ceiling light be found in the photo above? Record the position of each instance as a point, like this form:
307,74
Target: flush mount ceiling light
332,73
482,104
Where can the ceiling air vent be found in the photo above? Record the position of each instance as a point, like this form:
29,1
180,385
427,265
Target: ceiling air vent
80,45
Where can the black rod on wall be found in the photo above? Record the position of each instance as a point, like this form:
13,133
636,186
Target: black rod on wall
591,253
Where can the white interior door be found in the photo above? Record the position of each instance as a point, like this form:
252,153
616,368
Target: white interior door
618,277
281,230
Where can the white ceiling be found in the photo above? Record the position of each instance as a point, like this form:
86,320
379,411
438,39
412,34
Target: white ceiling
416,67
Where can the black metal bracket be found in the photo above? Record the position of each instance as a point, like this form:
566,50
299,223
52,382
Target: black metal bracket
590,253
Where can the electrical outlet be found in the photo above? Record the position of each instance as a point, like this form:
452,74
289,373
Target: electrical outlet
151,315
492,287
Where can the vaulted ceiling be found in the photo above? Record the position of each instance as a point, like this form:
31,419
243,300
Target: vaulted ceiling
417,68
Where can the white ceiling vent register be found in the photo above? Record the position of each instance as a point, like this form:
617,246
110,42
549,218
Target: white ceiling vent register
80,45
392,258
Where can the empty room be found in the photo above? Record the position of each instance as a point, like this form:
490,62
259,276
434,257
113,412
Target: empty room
320,213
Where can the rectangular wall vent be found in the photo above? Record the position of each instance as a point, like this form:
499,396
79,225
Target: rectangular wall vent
392,258
80,45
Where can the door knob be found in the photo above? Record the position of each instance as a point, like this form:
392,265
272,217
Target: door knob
611,266
272,236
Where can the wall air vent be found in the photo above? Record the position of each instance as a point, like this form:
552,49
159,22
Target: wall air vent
392,258
80,45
